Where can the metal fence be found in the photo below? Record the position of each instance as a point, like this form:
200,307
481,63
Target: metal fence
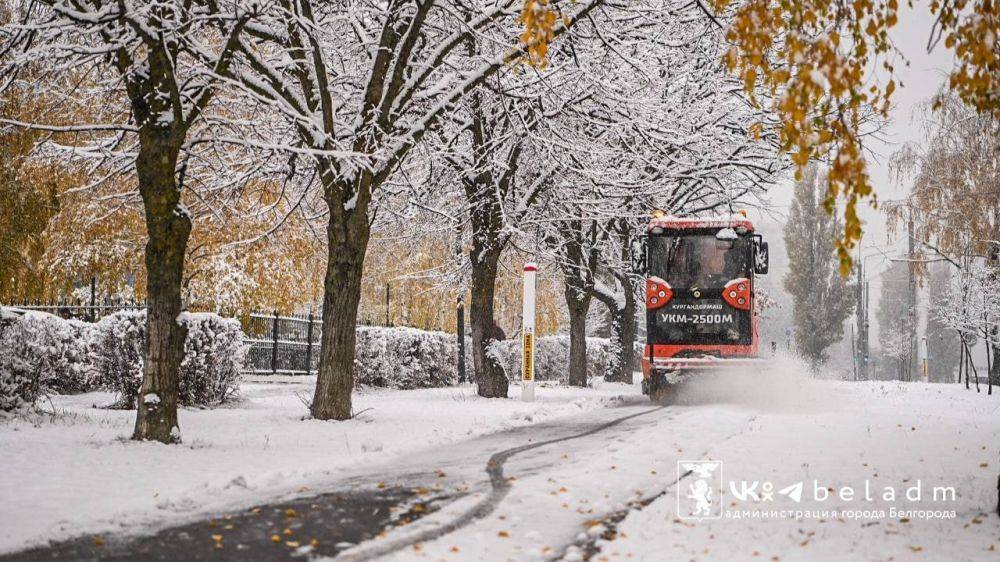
79,310
286,344
282,344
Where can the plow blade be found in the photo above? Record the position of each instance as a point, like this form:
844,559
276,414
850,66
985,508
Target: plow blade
669,372
699,364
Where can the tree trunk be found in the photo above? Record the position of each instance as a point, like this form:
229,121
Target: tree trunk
347,243
168,226
578,308
490,377
623,332
994,373
577,264
623,335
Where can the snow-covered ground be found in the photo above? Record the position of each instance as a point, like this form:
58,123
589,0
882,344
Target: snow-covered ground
776,428
77,472
848,444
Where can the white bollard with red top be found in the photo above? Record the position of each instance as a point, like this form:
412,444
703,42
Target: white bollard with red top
528,335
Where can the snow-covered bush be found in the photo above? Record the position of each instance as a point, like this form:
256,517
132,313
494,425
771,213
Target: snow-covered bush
117,349
552,357
214,356
405,358
42,353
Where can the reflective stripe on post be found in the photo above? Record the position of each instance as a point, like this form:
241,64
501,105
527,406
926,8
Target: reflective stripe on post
528,335
924,371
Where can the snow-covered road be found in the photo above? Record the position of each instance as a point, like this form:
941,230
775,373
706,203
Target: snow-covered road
604,481
888,471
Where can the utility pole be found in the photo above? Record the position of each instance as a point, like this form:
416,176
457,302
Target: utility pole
864,324
387,305
859,315
867,355
854,356
911,255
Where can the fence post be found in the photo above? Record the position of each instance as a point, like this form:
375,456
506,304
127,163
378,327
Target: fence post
460,329
386,305
93,299
274,346
309,343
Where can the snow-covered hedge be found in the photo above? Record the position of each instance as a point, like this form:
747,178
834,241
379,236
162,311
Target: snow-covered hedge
117,348
214,357
405,358
552,357
42,353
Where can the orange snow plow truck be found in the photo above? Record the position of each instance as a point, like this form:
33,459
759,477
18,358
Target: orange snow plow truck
700,309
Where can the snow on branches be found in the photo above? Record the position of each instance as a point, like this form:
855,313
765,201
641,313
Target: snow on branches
971,305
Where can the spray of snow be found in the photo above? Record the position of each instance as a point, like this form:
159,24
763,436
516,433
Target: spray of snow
783,384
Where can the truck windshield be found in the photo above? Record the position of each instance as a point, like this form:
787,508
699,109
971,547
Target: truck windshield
698,260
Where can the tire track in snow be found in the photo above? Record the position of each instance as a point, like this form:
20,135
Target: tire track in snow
499,487
611,520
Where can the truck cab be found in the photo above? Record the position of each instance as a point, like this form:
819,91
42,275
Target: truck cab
700,309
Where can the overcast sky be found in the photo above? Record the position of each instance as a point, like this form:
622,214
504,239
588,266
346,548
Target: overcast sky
920,80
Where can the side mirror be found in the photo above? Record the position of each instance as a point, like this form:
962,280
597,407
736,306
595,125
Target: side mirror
762,258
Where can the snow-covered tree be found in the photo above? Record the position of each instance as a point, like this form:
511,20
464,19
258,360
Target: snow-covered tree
822,298
664,127
353,89
971,307
955,198
134,80
942,342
